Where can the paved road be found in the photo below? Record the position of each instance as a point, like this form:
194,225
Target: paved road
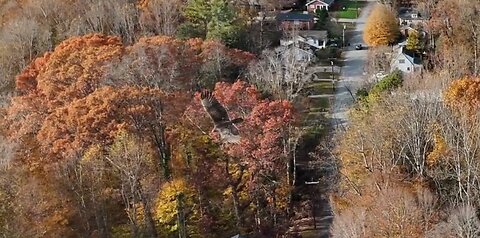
352,73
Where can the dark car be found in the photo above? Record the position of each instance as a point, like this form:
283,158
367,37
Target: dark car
359,47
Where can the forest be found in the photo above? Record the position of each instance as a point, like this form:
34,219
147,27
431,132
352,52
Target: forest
103,132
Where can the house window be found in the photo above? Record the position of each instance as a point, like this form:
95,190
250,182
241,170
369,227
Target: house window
296,22
402,61
408,68
318,6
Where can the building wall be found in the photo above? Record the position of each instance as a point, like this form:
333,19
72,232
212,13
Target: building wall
402,63
314,6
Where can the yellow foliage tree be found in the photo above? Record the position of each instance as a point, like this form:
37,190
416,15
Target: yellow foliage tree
440,149
167,205
381,27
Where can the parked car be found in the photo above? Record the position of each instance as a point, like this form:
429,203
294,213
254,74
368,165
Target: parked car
359,47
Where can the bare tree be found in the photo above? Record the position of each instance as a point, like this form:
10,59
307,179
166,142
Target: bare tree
378,60
134,163
463,222
109,17
350,224
281,74
161,17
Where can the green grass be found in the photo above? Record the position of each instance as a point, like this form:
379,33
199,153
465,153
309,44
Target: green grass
349,14
348,9
348,4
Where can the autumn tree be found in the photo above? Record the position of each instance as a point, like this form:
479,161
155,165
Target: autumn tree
212,19
463,94
261,153
455,23
135,164
381,27
414,41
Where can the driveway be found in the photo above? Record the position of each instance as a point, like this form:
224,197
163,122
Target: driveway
352,72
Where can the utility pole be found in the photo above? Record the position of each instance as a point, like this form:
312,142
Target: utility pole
333,76
344,27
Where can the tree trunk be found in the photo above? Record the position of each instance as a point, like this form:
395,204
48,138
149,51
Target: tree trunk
152,232
235,208
182,227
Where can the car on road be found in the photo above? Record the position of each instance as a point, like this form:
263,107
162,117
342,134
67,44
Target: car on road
358,47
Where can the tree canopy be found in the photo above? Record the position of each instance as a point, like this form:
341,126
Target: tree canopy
131,117
381,27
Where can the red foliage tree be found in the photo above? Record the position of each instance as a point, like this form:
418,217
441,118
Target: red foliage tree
259,161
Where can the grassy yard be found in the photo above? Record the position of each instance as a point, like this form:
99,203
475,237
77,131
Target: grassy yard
347,8
349,14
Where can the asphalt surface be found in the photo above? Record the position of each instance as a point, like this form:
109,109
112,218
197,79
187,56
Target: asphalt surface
352,74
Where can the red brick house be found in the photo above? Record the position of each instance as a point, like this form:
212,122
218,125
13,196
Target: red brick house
295,20
313,5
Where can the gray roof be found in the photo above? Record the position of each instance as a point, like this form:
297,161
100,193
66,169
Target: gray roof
319,35
410,55
406,13
294,16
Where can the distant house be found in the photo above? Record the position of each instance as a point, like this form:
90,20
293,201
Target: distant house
295,20
314,40
411,17
406,61
313,5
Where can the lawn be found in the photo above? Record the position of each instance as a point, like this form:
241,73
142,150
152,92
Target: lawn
347,9
349,14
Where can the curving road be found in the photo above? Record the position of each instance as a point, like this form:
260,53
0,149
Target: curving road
352,72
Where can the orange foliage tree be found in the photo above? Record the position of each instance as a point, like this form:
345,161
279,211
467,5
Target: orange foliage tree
464,93
76,100
57,84
381,27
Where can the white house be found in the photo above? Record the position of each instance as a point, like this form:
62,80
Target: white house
313,5
312,39
405,61
411,17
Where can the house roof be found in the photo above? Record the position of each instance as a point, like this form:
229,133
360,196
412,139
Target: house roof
294,16
409,55
319,35
326,2
406,13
